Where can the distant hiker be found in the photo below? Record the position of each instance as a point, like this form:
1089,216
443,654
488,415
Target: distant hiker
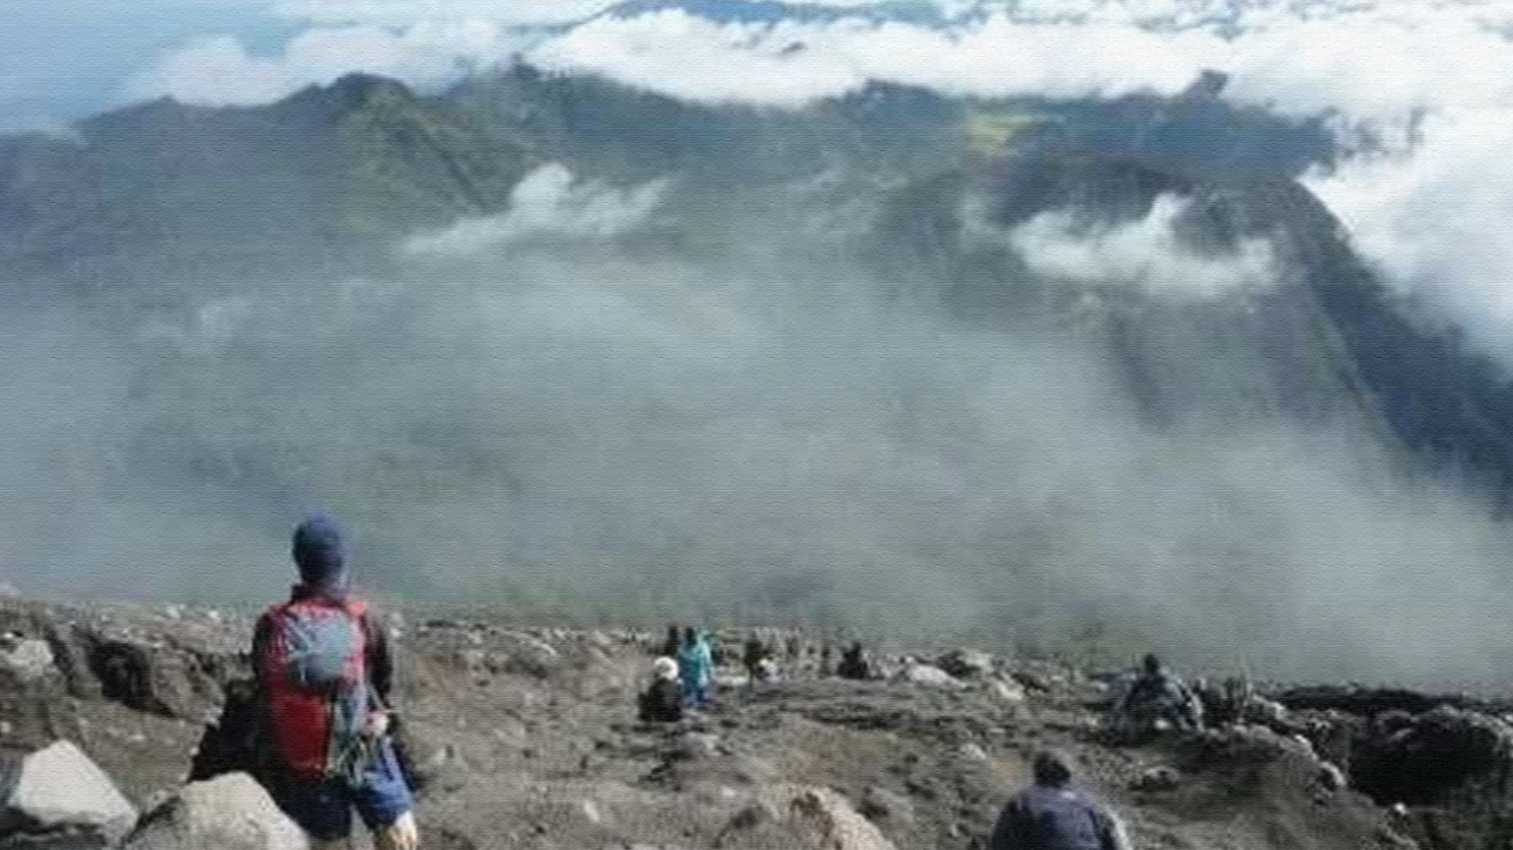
673,643
752,655
696,668
325,674
662,702
1052,814
716,651
854,664
1156,699
827,654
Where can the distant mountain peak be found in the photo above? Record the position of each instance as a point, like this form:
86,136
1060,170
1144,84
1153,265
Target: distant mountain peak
349,93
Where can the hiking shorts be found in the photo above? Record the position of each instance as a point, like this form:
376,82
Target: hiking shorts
324,809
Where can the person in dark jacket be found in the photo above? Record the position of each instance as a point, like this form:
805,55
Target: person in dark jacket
662,702
674,640
752,656
1052,814
374,784
854,663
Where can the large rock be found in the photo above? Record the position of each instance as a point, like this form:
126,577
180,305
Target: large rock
801,818
154,678
58,793
1432,757
28,658
230,812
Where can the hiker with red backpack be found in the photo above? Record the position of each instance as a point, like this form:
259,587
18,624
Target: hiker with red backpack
325,671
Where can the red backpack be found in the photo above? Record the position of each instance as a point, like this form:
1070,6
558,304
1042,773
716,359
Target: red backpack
314,675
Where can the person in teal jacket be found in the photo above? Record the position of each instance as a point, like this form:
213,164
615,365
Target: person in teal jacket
695,668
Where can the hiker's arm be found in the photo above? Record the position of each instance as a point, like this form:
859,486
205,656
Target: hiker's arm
261,634
1008,830
255,742
380,660
1115,836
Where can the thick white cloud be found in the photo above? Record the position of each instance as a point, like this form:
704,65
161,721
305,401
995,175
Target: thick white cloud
1299,62
222,71
548,204
407,12
1436,219
794,63
1144,253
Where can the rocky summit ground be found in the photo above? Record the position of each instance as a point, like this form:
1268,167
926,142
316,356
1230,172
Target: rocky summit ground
528,739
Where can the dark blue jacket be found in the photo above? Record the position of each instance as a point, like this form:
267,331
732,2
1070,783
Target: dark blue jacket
1048,817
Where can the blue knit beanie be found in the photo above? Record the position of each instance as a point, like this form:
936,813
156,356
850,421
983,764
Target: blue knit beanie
320,553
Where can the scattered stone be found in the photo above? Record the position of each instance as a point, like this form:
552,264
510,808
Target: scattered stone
1331,778
58,791
880,804
966,664
697,745
972,752
591,811
1008,692
30,659
1160,778
934,677
1032,681
230,812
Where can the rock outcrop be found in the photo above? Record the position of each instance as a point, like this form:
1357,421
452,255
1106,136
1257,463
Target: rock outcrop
802,818
230,812
58,796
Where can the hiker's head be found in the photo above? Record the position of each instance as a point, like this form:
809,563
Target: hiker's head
665,668
1152,663
690,635
320,553
1051,768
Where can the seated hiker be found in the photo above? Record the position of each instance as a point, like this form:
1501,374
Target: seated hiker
662,702
325,677
1156,699
854,663
696,668
1052,814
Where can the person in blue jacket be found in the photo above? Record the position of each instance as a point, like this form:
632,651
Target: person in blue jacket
1053,814
695,668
